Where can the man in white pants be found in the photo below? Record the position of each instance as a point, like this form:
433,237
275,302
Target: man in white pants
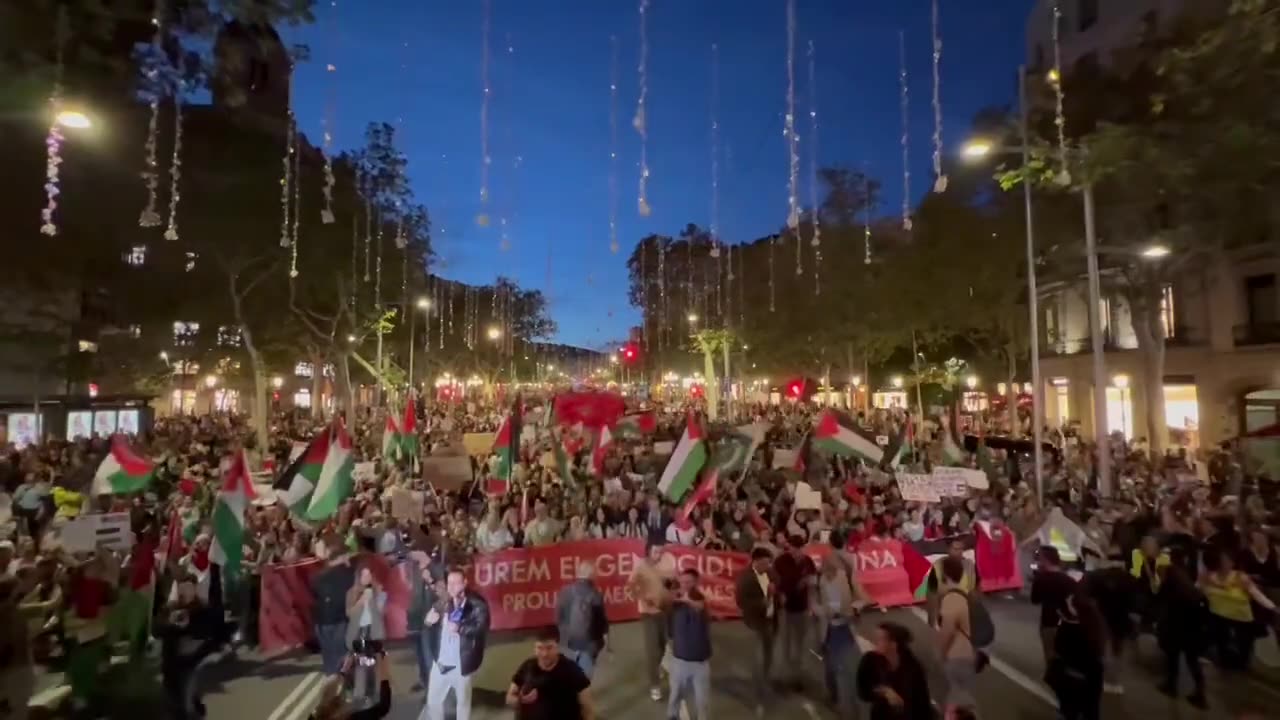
456,634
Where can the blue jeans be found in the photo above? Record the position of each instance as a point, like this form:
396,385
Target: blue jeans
423,655
840,656
333,646
583,659
690,682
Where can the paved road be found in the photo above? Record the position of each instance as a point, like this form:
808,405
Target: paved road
285,689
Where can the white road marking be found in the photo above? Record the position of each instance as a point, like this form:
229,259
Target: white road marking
1017,676
309,700
286,707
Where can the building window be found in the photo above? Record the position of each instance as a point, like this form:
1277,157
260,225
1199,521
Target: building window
1166,311
185,367
1260,299
192,256
184,333
302,399
327,370
1087,14
137,256
303,370
1104,318
228,336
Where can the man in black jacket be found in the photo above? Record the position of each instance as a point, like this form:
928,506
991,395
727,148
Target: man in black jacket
456,633
757,591
329,611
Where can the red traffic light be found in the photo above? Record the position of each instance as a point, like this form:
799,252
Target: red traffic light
795,389
629,353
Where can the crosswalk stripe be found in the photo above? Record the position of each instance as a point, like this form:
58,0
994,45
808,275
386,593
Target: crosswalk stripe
289,705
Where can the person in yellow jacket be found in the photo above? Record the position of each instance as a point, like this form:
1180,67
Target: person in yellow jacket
1228,592
1146,565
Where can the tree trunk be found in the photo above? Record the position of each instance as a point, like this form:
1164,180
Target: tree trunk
347,393
713,386
1144,308
261,420
1011,390
317,384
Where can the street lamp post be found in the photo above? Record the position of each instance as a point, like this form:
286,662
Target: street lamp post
1095,335
1033,301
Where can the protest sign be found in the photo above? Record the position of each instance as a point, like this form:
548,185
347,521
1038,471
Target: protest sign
807,498
663,448
918,488
362,471
784,458
478,443
85,533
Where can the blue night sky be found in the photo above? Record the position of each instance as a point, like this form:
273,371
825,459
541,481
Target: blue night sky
419,62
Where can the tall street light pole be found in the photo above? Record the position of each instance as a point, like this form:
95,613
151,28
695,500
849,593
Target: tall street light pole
1101,434
1033,299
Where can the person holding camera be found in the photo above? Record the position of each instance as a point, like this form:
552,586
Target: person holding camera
457,631
366,629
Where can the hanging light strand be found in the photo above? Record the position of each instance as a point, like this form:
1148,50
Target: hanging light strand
355,256
482,219
905,104
613,144
866,218
175,162
150,216
715,172
368,223
640,122
789,133
1059,118
940,180
330,119
297,207
286,180
813,172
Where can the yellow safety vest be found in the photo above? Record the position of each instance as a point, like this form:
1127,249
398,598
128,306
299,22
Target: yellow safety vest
1228,598
1139,560
966,582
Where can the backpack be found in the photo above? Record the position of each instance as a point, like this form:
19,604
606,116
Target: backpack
982,631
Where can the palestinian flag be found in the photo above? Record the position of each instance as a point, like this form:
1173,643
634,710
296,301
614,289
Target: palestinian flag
564,459
409,430
603,442
334,484
917,567
391,445
953,453
122,470
686,460
801,464
837,434
507,447
227,548
635,425
901,448
731,455
295,485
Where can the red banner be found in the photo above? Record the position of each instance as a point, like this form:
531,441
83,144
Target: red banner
996,555
521,585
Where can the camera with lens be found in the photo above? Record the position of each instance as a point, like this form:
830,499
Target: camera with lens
366,651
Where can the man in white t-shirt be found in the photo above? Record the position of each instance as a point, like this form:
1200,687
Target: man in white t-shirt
955,648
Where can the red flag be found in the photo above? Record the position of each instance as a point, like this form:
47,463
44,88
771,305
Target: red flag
996,554
592,409
603,442
704,492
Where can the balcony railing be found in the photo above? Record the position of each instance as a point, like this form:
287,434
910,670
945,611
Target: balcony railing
1256,334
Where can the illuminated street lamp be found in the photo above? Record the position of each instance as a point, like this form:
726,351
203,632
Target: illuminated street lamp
1155,252
277,382
210,381
897,381
971,382
494,334
693,318
977,148
424,303
73,119
351,338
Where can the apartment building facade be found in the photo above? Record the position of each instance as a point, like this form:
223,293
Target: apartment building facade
1221,319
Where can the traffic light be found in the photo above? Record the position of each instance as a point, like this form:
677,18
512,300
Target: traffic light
795,389
629,353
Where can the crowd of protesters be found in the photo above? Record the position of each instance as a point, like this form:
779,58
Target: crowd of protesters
1195,563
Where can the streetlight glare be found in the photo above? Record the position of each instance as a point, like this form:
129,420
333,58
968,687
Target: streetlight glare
693,317
1053,76
975,149
73,119
351,338
424,303
1155,252
494,333
1121,381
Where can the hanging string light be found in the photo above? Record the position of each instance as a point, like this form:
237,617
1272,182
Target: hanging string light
450,291
613,145
940,180
482,219
150,217
368,223
742,277
715,170
813,173
789,133
175,163
297,206
355,256
905,103
639,122
286,180
439,303
662,291
1055,79
645,311
377,283
866,219
53,140
330,111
